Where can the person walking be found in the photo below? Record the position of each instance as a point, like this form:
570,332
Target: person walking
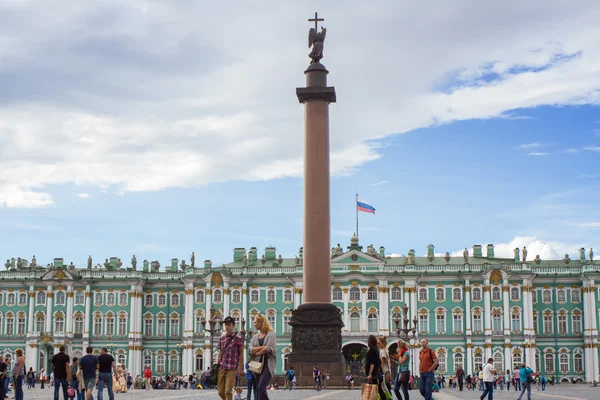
147,377
3,372
403,372
263,349
43,377
488,380
88,366
428,364
460,376
385,362
9,376
507,379
517,379
525,377
60,366
30,378
18,372
373,366
72,376
231,359
106,364
250,384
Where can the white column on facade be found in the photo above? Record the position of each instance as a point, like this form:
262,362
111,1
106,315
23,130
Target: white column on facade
345,297
226,297
208,303
69,324
468,330
30,316
245,306
49,297
594,327
587,325
506,309
527,309
88,310
363,310
469,359
188,330
487,312
384,308
413,305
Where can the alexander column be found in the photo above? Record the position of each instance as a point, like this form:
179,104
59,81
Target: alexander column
317,323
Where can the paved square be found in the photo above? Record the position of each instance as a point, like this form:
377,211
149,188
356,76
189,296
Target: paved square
562,391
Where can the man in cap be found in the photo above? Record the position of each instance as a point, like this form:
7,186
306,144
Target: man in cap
231,358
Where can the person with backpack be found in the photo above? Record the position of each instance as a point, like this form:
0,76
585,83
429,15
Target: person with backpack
428,363
526,378
231,358
289,377
488,379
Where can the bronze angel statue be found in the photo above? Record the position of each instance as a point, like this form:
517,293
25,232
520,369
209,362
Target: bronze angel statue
316,40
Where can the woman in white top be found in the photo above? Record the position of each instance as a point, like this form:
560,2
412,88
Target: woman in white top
385,362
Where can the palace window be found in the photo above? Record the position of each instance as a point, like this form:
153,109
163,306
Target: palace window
110,325
174,328
537,362
458,360
372,293
10,299
79,298
97,325
40,324
271,296
442,361
423,323
477,325
497,323
337,294
548,322
148,327
534,296
457,321
162,300
199,326
575,296
40,299
498,362
148,301
562,324
123,299
1,299
546,296
423,294
160,364
98,299
578,362
23,299
78,325
373,323
440,323
549,360
478,361
396,293
576,323
561,296
175,300
515,294
271,319
199,363
254,296
515,322
476,292
122,324
440,294
161,327
396,316
354,294
121,358
287,296
286,324
535,322
110,299
564,363
456,294
21,324
355,322
236,298
10,325
199,296
496,294
173,364
217,296
517,360
59,324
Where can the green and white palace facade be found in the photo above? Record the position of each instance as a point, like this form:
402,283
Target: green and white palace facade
471,307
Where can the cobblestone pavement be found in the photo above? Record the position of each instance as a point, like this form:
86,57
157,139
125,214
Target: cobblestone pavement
562,391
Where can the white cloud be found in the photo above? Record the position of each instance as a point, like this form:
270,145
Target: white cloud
84,195
571,151
528,146
589,225
185,104
537,154
592,148
548,250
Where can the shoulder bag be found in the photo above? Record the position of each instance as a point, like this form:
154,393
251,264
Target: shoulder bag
214,372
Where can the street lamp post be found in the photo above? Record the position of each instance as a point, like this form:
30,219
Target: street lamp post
211,330
111,347
406,332
180,348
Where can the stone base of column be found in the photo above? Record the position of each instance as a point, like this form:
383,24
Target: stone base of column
317,341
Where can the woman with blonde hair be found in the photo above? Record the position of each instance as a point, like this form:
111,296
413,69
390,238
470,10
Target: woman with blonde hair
18,372
403,373
263,350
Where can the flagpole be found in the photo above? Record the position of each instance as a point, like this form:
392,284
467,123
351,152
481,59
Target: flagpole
356,207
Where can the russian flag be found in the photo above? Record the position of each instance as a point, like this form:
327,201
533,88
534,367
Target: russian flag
361,205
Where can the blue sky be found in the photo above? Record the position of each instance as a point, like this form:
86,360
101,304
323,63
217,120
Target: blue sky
118,139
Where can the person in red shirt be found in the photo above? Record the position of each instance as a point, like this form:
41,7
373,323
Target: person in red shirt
231,360
147,376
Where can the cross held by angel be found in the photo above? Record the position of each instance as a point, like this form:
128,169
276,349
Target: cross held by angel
316,40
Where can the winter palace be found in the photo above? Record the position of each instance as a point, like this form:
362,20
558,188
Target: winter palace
471,307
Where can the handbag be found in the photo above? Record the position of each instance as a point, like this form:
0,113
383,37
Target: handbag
388,377
257,366
368,392
404,377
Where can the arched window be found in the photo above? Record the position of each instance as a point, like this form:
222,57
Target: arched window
148,300
217,296
199,363
578,362
10,324
422,294
78,325
457,322
59,324
478,361
355,322
40,299
515,294
440,294
562,323
497,323
548,323
173,364
122,324
534,296
40,323
442,361
21,323
110,299
373,322
98,299
60,298
517,360
549,360
547,296
561,296
537,362
174,325
396,293
476,294
79,298
272,320
236,298
354,294
287,296
456,294
496,293
22,298
515,321
162,300
337,294
121,358
372,293
498,362
576,320
110,325
1,299
575,296
160,364
199,296
10,299
458,360
477,322
564,363
423,322
440,322
198,327
123,298
396,317
147,359
254,296
286,323
42,360
175,300
97,325
148,326
270,296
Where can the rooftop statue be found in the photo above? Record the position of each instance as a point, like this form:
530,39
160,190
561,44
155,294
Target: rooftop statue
316,40
591,254
89,263
7,264
193,259
466,254
134,262
245,259
524,252
106,264
34,262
